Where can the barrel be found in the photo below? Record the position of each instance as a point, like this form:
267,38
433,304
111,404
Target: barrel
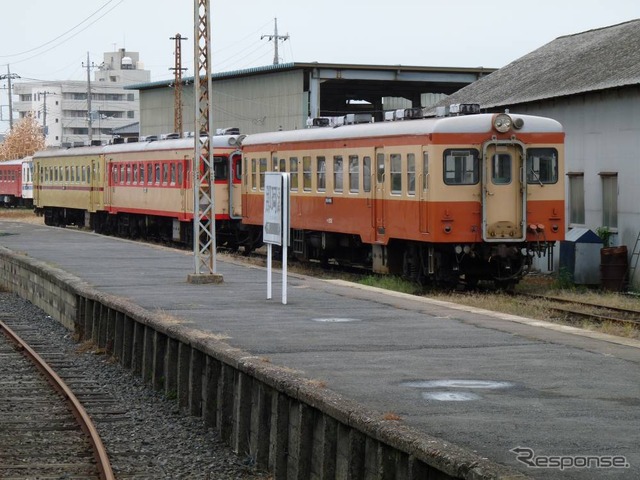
614,265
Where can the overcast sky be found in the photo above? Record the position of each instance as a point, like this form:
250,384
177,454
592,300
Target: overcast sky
49,40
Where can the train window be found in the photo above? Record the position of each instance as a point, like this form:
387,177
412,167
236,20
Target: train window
123,175
263,170
238,170
55,169
66,173
380,167
321,167
542,165
84,173
461,167
181,174
501,169
129,173
396,173
173,173
141,173
283,165
306,173
157,177
254,174
135,173
274,164
425,171
165,173
338,173
293,169
96,173
354,173
411,173
366,173
221,168
149,173
73,174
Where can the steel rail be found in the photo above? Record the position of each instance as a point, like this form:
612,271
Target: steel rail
592,316
79,412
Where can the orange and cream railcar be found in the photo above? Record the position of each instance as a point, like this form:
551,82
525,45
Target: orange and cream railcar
461,198
139,189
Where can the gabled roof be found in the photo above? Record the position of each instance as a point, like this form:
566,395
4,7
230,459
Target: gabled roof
584,62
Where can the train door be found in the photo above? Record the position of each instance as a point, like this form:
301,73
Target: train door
423,193
94,184
235,185
186,194
378,193
504,192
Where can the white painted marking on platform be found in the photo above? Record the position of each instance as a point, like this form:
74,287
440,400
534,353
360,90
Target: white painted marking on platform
450,396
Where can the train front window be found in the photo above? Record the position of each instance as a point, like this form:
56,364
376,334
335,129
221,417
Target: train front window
501,169
542,165
220,168
461,167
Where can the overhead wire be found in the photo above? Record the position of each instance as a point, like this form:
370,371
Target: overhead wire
68,38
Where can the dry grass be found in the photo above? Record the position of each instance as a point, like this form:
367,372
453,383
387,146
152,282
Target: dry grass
20,215
392,417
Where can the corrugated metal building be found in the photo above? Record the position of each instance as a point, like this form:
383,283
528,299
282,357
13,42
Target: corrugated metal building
590,82
284,96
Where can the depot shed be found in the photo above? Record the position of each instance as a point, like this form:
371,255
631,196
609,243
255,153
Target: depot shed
580,256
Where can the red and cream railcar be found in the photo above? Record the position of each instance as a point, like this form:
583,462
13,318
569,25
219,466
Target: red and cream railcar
11,182
461,198
139,189
149,189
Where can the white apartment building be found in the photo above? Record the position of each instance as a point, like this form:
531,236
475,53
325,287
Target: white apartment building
62,107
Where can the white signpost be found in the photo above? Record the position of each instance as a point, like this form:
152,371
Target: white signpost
275,229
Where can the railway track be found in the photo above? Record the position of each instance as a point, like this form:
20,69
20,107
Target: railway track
46,432
576,309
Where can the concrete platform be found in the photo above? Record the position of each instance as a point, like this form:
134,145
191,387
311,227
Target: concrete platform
487,382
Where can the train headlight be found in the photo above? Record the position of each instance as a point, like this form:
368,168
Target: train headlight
502,122
458,249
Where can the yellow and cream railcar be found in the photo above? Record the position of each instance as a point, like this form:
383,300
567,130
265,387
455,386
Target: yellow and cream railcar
462,198
68,185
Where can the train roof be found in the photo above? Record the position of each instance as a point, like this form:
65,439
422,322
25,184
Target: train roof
479,123
218,141
12,162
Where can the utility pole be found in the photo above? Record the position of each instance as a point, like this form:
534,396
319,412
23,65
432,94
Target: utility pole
44,114
9,76
204,212
177,93
275,37
89,66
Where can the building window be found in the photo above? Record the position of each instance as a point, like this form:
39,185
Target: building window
609,199
130,97
130,114
576,198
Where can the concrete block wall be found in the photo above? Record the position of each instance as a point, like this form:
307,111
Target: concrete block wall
285,424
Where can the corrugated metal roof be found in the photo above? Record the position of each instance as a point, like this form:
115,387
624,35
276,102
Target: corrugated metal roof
298,65
589,61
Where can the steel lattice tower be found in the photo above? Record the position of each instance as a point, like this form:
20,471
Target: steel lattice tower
204,237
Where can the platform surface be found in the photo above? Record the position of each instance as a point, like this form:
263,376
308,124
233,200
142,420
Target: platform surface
485,381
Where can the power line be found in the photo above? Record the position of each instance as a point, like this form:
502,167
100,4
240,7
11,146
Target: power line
59,36
72,36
